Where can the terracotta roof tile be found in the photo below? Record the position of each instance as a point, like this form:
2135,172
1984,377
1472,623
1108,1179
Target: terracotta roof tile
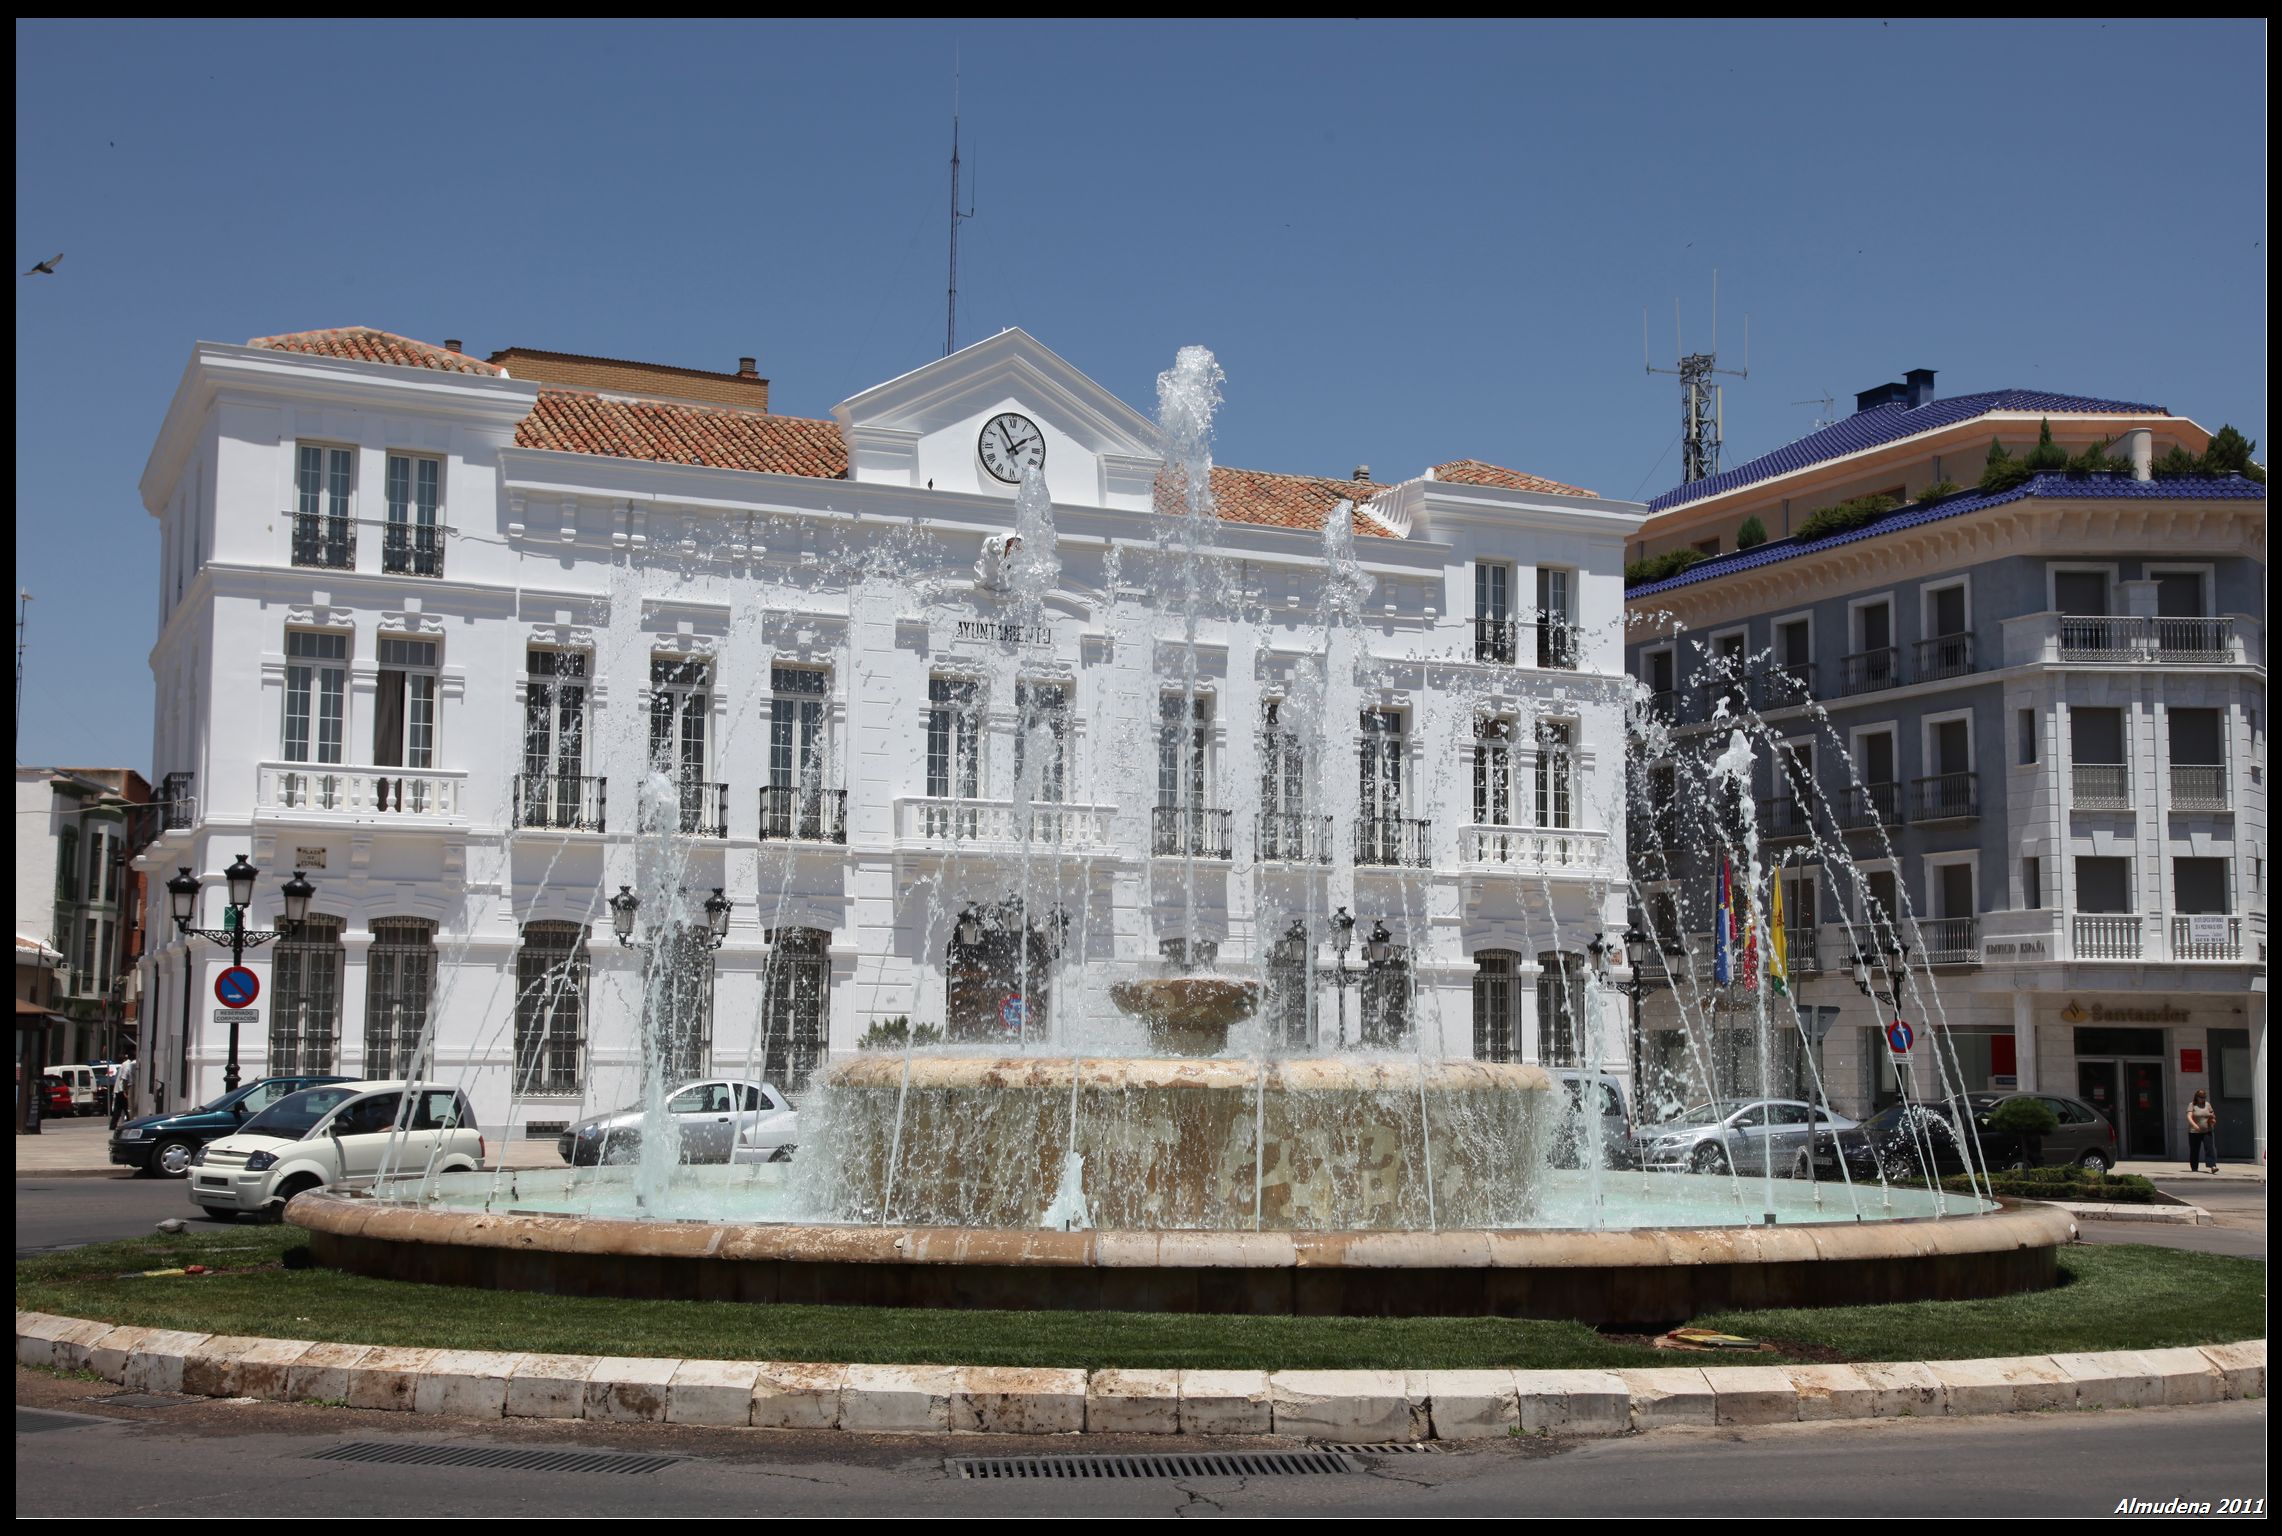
1475,472
1271,500
572,421
361,343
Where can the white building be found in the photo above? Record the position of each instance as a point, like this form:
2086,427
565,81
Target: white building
425,626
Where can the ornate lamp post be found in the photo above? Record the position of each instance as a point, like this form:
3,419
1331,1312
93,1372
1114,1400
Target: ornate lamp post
626,904
1342,935
182,892
1636,946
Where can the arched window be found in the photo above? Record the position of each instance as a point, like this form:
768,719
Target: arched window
797,1007
1560,1007
400,978
1497,1005
550,1007
305,1014
1384,1018
680,987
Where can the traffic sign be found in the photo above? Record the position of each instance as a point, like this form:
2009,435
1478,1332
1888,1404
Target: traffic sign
1898,1038
237,987
237,1015
1010,1013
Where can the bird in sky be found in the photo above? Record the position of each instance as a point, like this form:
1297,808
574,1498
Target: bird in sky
47,266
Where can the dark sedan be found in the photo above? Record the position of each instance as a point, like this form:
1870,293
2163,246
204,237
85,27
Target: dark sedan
1902,1140
162,1144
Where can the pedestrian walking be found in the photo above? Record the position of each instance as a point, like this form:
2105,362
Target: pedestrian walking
122,1091
2202,1130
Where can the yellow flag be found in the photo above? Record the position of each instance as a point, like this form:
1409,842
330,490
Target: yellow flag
1778,958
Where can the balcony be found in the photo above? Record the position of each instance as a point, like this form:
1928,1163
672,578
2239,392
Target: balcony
1784,687
178,804
327,543
1872,805
1664,705
2124,640
1188,832
1391,841
1870,671
1949,940
560,802
944,822
2106,936
2211,936
1557,644
2199,787
320,792
2189,642
1786,818
1946,797
2101,787
1552,853
1802,951
409,550
793,814
1291,837
1733,693
1497,641
704,808
1944,656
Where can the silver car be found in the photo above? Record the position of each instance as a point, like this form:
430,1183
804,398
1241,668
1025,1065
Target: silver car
1740,1134
719,1120
1573,1138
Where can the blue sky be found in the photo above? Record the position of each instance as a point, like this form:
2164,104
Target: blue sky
1407,243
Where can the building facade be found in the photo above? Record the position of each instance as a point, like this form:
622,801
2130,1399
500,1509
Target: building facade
447,634
79,899
2008,745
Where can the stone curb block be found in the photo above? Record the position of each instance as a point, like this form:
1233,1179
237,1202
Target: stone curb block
2161,1215
1363,1406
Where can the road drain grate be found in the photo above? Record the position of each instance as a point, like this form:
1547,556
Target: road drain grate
503,1457
1385,1448
1174,1464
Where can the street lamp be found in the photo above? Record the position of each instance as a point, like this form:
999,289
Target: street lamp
625,904
970,928
1636,945
1342,935
239,878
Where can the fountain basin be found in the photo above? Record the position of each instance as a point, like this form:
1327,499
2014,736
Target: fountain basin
1638,1278
1188,1015
1339,1144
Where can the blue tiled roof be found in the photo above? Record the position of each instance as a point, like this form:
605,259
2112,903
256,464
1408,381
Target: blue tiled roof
1890,423
2090,488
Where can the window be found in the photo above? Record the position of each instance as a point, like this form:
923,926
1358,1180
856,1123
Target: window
1493,773
554,715
1880,895
1556,617
2026,729
551,972
305,1015
2032,883
2081,594
1660,676
2195,739
1705,546
1556,773
404,707
323,534
67,863
1382,757
1493,612
683,999
792,1022
2103,884
1181,750
798,745
1874,663
954,766
400,977
1283,765
410,544
1953,890
1497,1001
1560,1007
681,714
2101,772
1289,993
2199,885
2179,594
1041,742
316,686
1945,610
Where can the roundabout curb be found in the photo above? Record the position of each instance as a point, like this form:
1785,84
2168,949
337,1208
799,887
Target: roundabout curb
1354,1406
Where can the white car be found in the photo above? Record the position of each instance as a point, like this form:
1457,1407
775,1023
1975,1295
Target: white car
337,1134
721,1120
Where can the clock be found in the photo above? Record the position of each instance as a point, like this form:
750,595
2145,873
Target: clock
1011,444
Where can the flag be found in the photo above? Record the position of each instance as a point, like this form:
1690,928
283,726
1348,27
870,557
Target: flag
1723,929
1750,945
1778,957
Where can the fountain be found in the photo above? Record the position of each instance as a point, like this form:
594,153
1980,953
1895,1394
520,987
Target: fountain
1157,1146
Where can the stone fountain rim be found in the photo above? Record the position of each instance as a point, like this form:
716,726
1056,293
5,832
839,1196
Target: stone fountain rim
2015,1225
1303,1074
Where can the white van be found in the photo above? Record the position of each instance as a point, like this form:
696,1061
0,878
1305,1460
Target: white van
336,1134
82,1080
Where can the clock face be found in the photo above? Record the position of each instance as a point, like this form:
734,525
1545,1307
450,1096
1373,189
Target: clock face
1011,444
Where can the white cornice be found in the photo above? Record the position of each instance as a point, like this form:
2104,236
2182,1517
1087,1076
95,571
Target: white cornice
1424,505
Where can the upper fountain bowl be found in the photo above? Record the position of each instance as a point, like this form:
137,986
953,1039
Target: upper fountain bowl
1188,1015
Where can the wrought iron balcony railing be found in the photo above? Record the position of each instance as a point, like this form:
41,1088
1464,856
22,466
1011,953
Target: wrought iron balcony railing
1870,671
1188,832
561,802
1397,841
1292,837
1946,797
792,813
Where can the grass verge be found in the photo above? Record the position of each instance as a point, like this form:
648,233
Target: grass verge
2111,1298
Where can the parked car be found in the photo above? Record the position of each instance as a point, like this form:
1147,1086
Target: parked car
58,1103
338,1134
1902,1141
1572,1137
719,1120
162,1145
86,1087
1744,1135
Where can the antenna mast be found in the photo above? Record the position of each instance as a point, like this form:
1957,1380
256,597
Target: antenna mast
23,609
1702,407
1823,404
951,325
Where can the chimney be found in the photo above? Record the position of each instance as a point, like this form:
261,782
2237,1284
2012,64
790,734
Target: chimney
1363,472
452,344
1884,394
750,368
1919,382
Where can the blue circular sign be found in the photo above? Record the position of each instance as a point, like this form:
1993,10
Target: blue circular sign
1899,1037
1010,1013
237,987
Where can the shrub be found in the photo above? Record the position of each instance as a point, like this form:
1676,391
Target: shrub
1656,567
2047,457
1844,517
2178,464
2096,460
2064,1183
896,1033
1940,490
1752,534
2229,454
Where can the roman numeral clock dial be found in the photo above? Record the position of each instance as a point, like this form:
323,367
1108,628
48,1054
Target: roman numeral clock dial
1011,444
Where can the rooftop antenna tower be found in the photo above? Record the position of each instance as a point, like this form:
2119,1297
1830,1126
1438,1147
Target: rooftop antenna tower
1824,405
1702,408
951,326
23,609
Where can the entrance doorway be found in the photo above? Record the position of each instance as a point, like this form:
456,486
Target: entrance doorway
2231,1090
2131,1095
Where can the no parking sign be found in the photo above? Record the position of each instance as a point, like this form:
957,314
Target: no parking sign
1898,1038
237,987
1010,1014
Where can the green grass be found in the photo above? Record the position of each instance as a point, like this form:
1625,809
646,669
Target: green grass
2112,1298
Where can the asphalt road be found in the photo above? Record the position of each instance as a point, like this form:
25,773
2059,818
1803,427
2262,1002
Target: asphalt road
201,1459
